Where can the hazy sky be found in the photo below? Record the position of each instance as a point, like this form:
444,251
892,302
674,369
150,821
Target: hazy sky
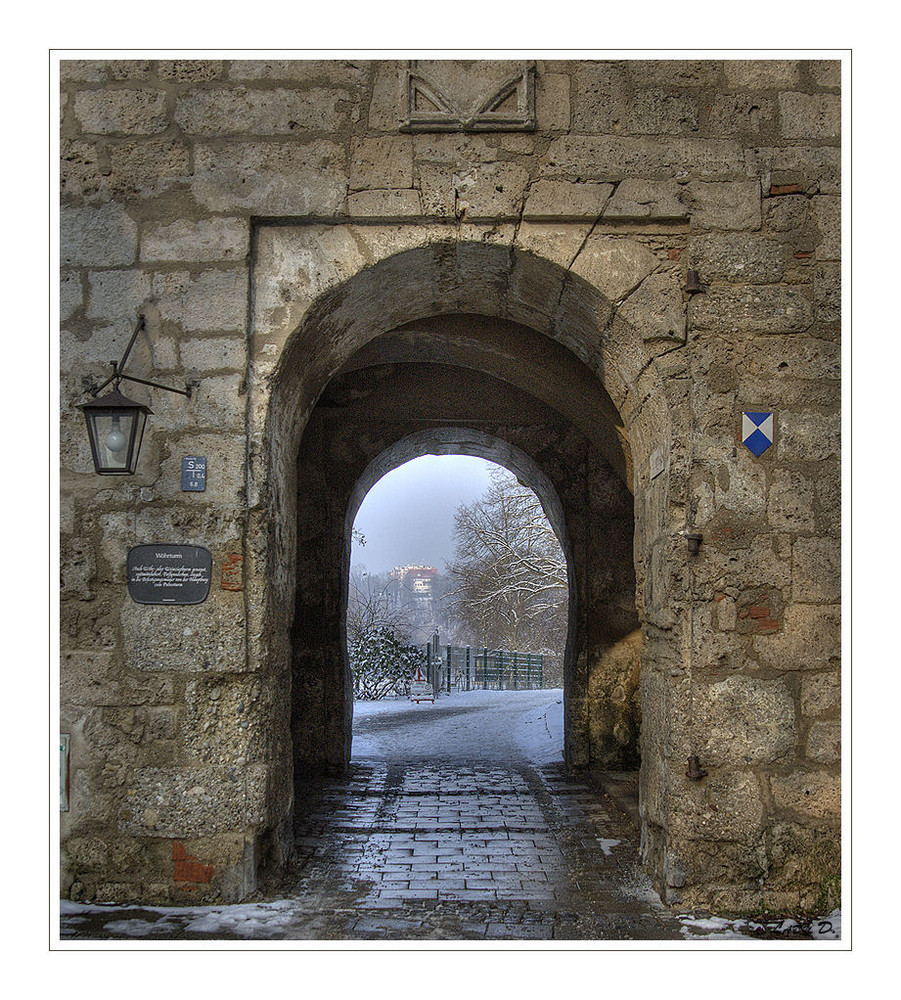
407,518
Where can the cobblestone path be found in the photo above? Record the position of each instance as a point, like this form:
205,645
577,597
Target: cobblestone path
472,851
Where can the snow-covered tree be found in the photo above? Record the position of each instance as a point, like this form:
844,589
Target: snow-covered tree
510,573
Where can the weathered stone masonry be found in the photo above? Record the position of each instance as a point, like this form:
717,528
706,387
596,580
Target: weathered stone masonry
302,234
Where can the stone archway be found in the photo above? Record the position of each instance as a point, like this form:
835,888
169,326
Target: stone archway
569,379
353,437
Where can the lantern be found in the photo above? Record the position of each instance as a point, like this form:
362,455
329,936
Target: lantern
115,422
115,427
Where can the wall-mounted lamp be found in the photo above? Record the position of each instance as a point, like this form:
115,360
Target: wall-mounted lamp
693,286
116,423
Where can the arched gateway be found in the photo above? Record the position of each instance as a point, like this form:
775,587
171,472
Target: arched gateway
472,347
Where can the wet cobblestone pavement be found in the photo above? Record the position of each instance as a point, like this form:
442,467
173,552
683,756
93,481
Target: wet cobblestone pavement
476,852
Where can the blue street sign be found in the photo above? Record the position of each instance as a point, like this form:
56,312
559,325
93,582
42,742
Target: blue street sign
193,473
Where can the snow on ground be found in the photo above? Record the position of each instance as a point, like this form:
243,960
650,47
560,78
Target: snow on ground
719,928
487,725
251,921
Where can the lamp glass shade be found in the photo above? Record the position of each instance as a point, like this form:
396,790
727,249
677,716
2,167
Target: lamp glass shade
115,428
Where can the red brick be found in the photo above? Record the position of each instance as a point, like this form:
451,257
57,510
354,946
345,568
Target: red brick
193,871
188,868
758,611
786,189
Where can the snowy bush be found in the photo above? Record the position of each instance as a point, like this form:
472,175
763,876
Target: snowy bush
381,664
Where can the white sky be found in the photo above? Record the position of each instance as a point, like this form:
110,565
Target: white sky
407,518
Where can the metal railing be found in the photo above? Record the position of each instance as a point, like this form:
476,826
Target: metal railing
467,668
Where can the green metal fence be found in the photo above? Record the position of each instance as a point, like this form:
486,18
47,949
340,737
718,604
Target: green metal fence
467,668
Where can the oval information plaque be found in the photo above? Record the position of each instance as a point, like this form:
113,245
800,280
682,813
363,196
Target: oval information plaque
169,574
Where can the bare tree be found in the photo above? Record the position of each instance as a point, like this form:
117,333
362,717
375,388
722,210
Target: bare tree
510,573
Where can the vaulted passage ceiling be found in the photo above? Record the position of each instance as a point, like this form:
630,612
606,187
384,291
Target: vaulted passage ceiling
476,368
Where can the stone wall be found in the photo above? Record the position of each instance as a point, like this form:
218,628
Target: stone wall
269,218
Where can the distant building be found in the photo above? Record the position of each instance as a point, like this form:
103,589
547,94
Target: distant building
414,586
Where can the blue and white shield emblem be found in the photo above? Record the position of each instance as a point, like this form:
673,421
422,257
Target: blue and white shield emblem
757,432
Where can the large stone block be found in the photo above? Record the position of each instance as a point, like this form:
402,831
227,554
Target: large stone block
826,214
184,802
81,174
214,354
807,436
600,96
727,805
821,693
674,73
214,299
725,205
824,742
810,639
612,158
825,72
740,114
148,168
810,116
805,863
381,162
128,112
190,70
222,719
550,199
239,110
384,204
817,570
217,404
271,178
552,101
188,639
740,487
761,74
71,294
744,721
114,296
334,72
491,189
737,257
790,505
752,309
642,199
656,310
815,794
615,266
216,239
104,236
